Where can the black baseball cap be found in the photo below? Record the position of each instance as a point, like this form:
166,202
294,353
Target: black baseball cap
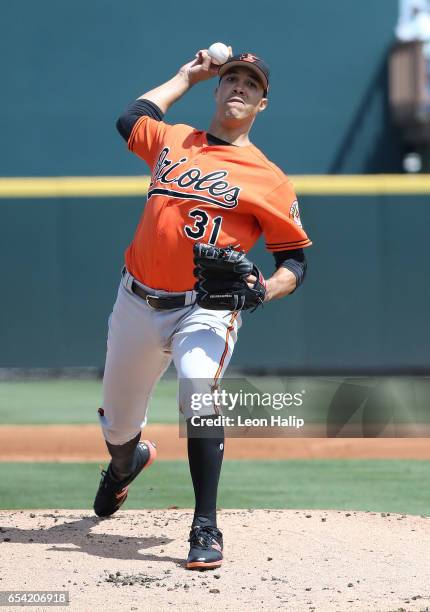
252,61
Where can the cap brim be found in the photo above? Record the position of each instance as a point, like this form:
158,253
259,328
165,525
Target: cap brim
240,64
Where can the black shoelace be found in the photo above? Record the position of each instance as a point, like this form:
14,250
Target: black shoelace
204,536
110,483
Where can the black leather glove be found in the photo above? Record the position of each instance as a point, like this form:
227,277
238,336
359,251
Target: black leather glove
221,279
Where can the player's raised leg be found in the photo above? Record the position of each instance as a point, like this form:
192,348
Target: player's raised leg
135,361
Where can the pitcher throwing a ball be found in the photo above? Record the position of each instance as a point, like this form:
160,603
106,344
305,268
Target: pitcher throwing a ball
187,278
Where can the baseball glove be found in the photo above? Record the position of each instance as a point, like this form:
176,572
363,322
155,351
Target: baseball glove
221,279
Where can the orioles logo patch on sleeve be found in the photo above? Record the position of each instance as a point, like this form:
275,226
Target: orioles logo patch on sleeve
295,213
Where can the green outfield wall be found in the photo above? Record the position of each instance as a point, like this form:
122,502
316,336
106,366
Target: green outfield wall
72,67
79,63
364,305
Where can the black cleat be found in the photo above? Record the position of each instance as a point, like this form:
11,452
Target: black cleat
206,548
112,493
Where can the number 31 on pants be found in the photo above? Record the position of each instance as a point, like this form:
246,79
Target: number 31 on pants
201,221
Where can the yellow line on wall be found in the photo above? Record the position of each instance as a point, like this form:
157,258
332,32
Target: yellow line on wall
73,186
366,184
127,186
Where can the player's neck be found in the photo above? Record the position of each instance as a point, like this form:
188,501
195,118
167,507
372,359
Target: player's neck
236,135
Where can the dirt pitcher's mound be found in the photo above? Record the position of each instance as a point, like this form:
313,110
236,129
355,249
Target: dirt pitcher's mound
292,560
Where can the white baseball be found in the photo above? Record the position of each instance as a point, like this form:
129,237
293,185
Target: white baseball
219,53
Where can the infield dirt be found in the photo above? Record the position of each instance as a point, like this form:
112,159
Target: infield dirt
274,559
85,443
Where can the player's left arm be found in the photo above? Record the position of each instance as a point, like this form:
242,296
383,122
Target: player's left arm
281,283
279,217
290,274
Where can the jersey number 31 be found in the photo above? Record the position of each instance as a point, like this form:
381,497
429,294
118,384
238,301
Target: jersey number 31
201,221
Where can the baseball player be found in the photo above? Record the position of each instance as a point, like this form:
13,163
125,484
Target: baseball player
209,190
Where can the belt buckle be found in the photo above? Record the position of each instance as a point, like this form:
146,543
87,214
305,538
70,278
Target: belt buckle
156,297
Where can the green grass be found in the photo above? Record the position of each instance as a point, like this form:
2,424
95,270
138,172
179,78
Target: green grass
324,399
383,486
58,402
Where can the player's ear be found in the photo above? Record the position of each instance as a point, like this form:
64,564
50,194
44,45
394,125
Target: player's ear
263,104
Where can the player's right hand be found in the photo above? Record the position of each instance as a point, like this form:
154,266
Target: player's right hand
200,68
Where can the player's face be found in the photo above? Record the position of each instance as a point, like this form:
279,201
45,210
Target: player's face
239,95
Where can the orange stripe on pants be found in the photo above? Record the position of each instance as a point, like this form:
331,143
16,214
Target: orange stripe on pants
223,356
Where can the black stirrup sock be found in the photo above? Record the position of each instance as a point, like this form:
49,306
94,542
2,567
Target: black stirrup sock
123,457
205,455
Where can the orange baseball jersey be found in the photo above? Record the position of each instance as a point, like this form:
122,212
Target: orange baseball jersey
222,195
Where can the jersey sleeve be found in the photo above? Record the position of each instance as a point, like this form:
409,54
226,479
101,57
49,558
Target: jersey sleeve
146,138
279,219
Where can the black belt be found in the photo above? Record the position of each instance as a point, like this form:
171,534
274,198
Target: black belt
159,303
155,301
